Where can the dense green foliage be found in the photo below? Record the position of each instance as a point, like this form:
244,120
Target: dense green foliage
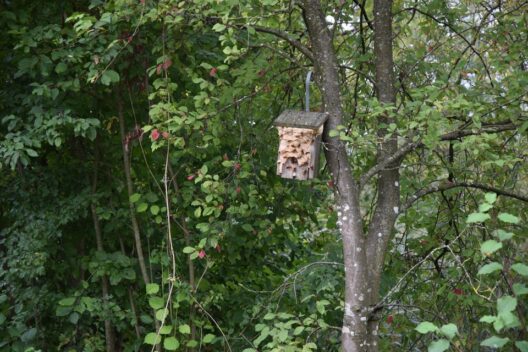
238,259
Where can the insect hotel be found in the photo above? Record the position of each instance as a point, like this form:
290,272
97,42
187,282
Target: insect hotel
300,134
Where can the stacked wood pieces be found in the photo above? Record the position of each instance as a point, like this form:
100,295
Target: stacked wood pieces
296,152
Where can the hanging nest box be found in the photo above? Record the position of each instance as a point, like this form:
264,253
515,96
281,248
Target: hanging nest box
300,135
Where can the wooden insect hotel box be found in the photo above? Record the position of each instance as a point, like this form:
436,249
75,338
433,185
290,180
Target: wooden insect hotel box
300,134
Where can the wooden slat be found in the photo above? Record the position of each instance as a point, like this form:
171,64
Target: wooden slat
301,119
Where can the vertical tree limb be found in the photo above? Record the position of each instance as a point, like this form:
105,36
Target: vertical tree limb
388,185
105,286
190,264
130,191
354,330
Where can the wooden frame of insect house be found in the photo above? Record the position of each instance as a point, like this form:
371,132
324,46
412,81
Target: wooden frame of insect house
300,134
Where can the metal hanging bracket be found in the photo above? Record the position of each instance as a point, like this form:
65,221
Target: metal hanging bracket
307,91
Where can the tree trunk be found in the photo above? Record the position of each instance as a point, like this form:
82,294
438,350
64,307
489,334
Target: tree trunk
363,255
105,286
388,184
354,330
130,190
190,264
131,297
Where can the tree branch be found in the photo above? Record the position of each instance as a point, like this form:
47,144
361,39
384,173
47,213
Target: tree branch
283,35
364,13
439,187
460,35
407,148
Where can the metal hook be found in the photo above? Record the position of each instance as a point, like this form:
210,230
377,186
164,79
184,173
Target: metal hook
307,91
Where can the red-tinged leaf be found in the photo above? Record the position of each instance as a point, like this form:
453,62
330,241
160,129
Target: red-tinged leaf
158,69
458,291
237,166
165,134
155,135
167,64
190,177
238,189
390,319
218,248
213,71
201,254
225,157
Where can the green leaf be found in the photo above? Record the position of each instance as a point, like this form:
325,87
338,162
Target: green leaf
488,319
161,314
522,345
109,76
152,289
520,289
503,235
298,330
508,218
31,153
2,318
509,319
192,343
320,305
29,335
489,268
489,247
142,207
165,330
490,197
152,339
506,304
67,301
477,217
449,330
61,67
438,346
171,344
63,311
520,268
74,318
184,329
188,250
219,27
135,197
426,327
283,335
146,319
485,207
156,302
154,210
495,342
498,325
269,316
208,338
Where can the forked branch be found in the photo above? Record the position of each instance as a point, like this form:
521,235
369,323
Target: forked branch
410,146
444,186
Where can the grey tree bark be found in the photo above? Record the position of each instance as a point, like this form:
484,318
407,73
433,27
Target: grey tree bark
363,252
